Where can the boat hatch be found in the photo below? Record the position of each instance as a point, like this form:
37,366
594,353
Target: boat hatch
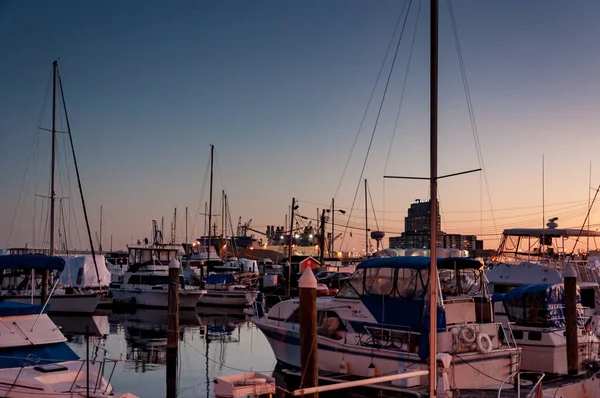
53,367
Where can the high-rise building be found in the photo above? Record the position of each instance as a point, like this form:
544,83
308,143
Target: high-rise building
417,227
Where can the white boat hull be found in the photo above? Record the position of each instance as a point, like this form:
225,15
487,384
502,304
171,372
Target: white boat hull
74,303
227,299
27,382
155,298
470,371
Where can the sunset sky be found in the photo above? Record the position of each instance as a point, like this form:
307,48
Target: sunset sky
280,89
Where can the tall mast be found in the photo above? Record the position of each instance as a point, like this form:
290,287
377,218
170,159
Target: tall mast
53,166
222,222
332,252
186,226
433,86
212,150
366,223
100,243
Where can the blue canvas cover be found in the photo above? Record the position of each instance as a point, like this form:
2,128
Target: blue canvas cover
220,278
8,308
15,357
539,305
31,262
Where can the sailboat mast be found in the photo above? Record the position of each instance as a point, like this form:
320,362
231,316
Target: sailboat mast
100,244
212,150
433,86
53,165
366,224
186,226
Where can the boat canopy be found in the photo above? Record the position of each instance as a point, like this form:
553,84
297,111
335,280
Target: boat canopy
418,263
541,305
220,278
551,232
80,271
31,262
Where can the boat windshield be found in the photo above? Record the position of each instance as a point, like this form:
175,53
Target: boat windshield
394,282
459,282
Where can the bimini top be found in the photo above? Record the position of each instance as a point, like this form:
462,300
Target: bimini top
31,261
420,262
220,278
551,232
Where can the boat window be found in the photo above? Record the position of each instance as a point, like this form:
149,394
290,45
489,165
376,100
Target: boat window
458,282
163,255
588,298
534,336
145,256
354,287
411,283
379,281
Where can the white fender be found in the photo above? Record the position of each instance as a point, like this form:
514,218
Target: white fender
467,335
484,343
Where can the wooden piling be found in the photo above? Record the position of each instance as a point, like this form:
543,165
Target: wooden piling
308,331
173,328
570,277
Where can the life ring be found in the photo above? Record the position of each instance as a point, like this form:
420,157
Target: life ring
484,343
253,381
468,335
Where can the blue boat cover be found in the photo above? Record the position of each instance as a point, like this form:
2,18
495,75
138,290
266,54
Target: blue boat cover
539,305
34,355
8,308
220,278
31,261
420,262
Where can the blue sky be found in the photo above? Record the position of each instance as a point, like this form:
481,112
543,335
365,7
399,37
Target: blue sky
280,88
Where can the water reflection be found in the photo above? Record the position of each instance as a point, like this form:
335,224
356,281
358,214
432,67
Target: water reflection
213,342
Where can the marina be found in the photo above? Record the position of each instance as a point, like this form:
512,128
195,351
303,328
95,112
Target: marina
407,263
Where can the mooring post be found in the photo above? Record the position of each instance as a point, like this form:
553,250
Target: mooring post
570,276
173,328
308,331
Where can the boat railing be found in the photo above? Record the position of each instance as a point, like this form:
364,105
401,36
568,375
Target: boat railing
103,364
518,375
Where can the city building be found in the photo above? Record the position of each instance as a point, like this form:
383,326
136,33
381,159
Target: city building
417,227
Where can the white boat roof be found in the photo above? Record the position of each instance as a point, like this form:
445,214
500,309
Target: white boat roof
552,232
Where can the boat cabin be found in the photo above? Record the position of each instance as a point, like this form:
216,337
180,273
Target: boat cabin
537,316
386,285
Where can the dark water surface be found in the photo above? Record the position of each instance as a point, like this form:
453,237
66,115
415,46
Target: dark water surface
213,342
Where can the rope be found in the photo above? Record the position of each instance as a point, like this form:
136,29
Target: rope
362,121
387,84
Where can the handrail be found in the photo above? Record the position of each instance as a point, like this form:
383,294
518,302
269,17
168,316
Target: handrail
518,374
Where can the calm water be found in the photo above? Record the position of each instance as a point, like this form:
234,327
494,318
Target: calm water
212,343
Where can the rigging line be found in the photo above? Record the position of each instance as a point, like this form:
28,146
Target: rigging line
34,144
410,54
469,102
387,84
579,202
373,206
87,224
364,116
206,169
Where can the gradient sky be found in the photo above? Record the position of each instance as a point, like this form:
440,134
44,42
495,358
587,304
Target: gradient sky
280,88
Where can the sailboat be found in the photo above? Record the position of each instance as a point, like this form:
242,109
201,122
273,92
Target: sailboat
21,287
381,321
35,360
